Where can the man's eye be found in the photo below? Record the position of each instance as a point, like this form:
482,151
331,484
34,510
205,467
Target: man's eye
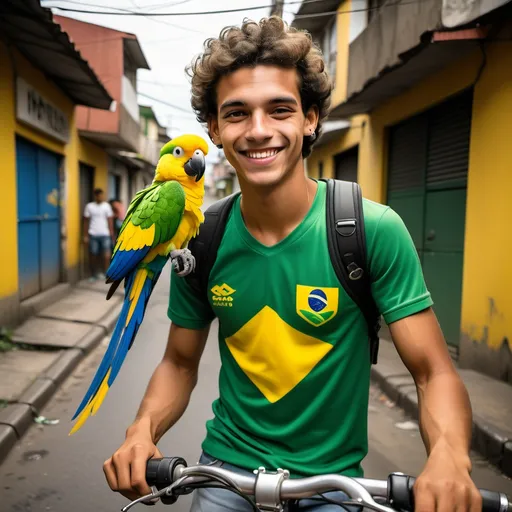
282,110
236,113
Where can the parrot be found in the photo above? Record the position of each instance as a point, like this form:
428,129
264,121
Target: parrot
160,221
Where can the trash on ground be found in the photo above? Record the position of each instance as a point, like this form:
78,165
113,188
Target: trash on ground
42,420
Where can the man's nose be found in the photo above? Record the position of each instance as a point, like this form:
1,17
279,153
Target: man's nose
259,128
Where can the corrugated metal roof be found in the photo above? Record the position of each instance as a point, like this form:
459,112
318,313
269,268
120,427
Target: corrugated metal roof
31,29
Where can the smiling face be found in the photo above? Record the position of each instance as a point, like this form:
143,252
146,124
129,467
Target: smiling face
260,123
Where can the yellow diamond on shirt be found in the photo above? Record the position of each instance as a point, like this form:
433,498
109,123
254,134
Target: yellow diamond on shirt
274,355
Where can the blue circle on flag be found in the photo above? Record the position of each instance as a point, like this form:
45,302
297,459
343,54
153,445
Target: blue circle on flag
317,300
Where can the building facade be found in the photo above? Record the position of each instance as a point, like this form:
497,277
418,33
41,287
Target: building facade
115,56
421,119
43,154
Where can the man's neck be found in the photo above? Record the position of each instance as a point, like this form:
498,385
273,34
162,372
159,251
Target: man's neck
271,215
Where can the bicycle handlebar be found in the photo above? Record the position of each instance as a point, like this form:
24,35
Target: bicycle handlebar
172,477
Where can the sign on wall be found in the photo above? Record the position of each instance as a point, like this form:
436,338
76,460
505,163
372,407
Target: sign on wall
32,108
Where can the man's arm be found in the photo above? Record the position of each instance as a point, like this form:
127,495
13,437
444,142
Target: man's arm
166,398
111,227
444,413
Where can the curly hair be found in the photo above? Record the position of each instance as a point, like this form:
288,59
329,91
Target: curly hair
270,42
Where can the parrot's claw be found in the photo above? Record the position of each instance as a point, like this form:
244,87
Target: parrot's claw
183,262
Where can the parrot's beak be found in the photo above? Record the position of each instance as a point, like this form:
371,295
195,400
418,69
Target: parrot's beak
196,166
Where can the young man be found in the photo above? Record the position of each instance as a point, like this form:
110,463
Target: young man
99,234
293,393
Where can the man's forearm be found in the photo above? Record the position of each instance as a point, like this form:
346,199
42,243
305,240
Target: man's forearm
111,226
165,400
445,415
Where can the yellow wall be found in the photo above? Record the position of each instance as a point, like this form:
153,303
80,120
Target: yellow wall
487,278
73,151
9,252
325,153
486,303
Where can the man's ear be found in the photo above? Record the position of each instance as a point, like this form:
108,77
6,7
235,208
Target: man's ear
311,121
213,131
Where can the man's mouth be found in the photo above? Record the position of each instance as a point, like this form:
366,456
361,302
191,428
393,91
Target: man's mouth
260,154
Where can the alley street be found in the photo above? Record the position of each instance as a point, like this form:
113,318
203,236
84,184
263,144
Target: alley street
49,471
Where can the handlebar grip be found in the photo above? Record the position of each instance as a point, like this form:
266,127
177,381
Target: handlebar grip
401,495
160,473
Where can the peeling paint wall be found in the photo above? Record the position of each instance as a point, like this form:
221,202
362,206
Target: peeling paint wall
486,304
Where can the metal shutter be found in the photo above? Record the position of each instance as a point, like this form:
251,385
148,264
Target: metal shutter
407,148
448,149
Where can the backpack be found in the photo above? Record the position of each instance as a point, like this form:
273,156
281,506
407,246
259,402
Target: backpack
346,240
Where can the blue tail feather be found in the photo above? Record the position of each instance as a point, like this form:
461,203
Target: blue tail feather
131,330
106,361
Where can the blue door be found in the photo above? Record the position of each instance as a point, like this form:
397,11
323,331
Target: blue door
38,218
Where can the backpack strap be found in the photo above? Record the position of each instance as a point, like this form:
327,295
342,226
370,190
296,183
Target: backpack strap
347,248
205,245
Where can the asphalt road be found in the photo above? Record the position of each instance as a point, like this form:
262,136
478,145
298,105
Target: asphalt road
50,471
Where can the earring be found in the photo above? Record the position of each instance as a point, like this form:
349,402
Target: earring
312,137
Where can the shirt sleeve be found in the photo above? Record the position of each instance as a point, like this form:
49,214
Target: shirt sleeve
186,308
110,213
398,284
87,211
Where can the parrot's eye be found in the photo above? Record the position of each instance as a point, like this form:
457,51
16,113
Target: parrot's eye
198,152
178,152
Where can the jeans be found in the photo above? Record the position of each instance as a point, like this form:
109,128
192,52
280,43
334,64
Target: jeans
99,244
221,500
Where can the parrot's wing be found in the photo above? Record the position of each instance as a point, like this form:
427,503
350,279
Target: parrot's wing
152,219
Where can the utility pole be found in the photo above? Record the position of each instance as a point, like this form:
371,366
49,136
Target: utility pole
277,8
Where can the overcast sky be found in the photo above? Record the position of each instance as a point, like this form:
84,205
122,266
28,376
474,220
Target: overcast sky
169,44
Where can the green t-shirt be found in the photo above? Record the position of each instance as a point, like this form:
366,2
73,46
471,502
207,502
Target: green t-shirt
294,381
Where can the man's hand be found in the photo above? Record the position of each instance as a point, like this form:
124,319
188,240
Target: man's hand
126,469
86,239
445,485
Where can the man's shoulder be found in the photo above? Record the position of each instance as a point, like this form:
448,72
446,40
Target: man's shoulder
373,212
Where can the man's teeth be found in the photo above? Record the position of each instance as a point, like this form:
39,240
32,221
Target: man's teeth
262,154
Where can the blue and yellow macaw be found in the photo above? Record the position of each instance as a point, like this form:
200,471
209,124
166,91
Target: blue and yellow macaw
159,223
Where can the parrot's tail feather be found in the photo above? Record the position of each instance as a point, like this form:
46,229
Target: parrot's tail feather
105,362
139,287
92,406
141,291
113,288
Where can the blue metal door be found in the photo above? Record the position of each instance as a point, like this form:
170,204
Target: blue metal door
38,218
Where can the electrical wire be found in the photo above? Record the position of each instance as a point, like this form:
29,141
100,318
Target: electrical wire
366,9
163,102
196,13
227,11
159,6
121,12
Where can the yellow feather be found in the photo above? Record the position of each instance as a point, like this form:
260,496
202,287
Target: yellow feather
101,394
138,283
134,237
93,405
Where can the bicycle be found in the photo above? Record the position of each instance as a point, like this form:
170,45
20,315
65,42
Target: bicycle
172,477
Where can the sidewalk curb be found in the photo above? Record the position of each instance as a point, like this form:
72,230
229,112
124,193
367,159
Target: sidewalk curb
16,418
486,439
